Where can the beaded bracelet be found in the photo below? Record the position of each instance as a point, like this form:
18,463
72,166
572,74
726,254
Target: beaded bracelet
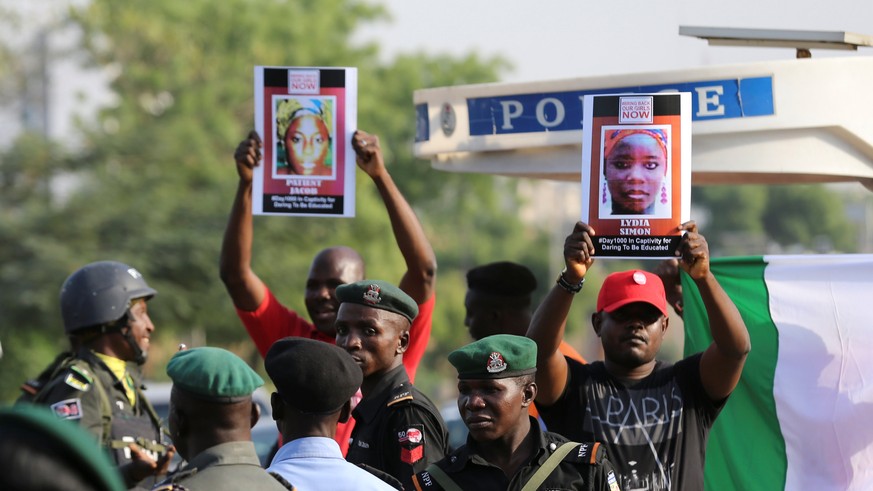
566,285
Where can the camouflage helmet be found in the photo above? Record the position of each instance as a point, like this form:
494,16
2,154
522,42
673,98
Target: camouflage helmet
100,293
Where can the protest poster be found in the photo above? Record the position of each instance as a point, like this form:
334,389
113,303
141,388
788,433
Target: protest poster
636,172
306,117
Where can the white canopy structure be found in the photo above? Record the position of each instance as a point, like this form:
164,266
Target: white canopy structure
792,121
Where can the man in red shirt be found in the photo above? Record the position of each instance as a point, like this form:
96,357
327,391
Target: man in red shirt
267,320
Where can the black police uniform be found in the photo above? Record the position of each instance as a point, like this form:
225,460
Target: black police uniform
397,429
83,389
584,467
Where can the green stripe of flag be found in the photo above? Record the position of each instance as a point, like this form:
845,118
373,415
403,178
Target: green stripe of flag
746,449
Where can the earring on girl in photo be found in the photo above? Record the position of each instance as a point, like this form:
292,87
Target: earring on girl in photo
663,193
604,194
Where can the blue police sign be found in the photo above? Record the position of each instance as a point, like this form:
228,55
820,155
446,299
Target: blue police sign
562,111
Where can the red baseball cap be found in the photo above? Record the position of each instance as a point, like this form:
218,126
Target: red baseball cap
620,289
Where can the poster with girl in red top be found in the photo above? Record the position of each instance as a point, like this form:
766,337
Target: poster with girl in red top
306,117
636,172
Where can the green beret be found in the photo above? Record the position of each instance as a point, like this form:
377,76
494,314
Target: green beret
312,376
214,374
379,295
498,356
37,432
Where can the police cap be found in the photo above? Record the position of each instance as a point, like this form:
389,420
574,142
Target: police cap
213,374
497,356
312,376
378,294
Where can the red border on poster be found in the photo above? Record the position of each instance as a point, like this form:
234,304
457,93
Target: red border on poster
321,185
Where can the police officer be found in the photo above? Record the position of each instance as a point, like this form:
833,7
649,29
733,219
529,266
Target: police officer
211,417
398,429
105,315
315,383
505,449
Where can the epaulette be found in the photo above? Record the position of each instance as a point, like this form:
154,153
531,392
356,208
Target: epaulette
401,393
384,476
284,482
591,453
171,483
31,388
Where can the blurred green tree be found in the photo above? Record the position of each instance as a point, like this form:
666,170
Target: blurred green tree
153,179
758,219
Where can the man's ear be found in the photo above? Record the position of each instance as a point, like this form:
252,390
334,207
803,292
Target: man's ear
345,412
180,423
256,414
402,342
596,322
529,394
278,406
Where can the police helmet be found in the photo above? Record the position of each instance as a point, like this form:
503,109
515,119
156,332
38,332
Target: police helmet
100,293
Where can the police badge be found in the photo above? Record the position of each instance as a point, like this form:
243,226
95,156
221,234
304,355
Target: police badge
496,363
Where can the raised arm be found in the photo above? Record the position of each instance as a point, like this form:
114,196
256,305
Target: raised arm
245,288
420,277
722,363
550,319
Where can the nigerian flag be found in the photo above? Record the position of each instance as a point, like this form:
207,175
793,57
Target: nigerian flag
802,415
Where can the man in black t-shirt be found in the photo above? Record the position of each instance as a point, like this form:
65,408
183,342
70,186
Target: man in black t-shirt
654,418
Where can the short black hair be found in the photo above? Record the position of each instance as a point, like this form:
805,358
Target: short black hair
523,380
502,278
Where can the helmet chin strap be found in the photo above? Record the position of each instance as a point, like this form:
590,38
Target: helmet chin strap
139,356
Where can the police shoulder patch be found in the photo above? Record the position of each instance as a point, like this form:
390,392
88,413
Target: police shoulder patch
410,438
75,381
68,409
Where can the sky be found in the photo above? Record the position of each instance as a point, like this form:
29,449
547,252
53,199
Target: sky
547,40
561,39
555,39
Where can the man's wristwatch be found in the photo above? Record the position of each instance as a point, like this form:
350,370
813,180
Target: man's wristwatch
573,288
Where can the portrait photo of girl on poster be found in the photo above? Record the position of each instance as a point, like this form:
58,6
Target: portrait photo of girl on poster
635,178
305,143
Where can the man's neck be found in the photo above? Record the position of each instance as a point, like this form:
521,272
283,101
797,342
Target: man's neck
371,381
512,451
208,440
630,375
322,429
